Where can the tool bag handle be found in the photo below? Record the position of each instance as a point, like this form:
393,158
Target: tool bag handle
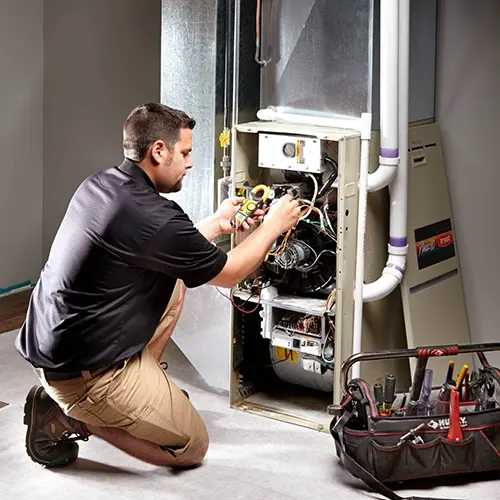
422,352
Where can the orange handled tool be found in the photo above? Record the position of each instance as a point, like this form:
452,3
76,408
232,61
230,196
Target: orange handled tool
455,431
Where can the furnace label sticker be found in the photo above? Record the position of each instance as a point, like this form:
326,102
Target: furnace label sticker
300,152
286,354
434,243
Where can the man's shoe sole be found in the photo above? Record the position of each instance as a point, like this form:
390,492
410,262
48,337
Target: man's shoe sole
29,421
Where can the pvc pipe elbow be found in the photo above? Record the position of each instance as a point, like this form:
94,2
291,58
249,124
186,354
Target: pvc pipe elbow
379,289
381,178
392,275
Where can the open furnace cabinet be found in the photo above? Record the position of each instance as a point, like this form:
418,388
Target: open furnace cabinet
286,352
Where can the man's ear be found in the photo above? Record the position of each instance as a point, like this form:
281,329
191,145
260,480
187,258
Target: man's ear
158,151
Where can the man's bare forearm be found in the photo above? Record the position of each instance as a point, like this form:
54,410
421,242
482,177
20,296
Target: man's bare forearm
210,227
247,256
252,251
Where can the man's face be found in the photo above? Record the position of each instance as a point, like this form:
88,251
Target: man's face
173,165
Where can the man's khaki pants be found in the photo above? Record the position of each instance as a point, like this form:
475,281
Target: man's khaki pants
135,395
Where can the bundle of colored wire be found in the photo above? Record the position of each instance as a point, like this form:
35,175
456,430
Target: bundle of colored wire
282,246
313,200
331,300
256,281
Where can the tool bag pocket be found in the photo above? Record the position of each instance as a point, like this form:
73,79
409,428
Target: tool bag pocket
384,458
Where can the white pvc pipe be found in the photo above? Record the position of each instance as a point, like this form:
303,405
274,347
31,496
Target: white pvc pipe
273,114
360,248
389,153
389,37
392,274
399,188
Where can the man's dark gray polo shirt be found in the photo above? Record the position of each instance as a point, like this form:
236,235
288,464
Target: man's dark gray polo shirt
110,273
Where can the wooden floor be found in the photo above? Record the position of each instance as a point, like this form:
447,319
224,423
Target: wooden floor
13,310
12,313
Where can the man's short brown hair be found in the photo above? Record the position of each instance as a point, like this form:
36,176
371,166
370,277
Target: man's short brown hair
149,123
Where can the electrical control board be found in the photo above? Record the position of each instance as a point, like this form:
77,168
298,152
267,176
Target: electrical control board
298,153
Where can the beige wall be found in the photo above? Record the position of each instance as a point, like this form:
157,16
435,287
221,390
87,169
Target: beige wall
102,58
468,110
21,155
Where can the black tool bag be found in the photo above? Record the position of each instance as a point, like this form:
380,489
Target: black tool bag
371,447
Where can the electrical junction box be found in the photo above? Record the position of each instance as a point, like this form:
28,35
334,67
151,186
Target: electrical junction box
308,346
311,366
297,153
282,340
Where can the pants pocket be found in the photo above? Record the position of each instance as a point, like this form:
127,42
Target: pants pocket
152,426
100,413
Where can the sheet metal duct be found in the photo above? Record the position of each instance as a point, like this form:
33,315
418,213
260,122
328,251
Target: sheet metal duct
325,57
321,56
193,79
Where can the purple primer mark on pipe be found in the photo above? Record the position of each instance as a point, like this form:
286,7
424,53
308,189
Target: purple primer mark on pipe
389,153
396,267
398,242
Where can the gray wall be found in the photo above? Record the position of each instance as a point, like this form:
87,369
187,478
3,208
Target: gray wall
102,58
468,109
21,89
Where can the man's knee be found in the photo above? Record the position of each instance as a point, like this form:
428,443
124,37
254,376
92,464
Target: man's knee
199,450
192,455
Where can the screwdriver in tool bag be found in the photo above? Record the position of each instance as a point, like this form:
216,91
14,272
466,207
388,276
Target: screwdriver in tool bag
460,379
378,392
424,406
449,375
389,393
442,403
466,391
416,387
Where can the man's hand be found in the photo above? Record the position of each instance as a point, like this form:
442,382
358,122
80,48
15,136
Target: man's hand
283,215
228,209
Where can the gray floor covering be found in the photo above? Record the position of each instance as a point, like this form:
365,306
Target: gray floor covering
250,457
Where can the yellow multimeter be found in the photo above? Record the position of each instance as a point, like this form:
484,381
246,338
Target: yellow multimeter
258,197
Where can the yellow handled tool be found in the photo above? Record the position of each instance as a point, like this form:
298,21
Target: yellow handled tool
461,376
258,197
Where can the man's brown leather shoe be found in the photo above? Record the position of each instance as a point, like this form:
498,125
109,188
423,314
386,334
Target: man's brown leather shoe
48,438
